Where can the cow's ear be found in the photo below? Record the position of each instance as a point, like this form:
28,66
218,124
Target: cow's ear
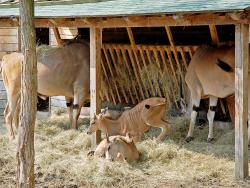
147,106
106,109
103,111
107,137
129,139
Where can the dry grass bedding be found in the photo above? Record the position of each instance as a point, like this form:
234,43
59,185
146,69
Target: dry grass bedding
62,161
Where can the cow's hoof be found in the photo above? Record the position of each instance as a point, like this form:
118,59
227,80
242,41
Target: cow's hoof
200,127
210,140
189,138
91,153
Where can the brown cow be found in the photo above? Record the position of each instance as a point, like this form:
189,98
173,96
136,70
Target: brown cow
136,121
211,74
61,72
118,148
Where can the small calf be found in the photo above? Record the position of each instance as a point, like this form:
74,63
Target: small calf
118,148
135,121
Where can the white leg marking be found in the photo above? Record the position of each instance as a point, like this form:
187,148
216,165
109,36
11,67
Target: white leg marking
210,116
192,124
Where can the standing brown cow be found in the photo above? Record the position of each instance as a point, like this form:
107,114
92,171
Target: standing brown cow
62,71
211,74
135,121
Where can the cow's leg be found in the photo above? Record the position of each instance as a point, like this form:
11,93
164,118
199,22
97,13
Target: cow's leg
16,116
75,111
79,109
195,97
69,104
79,98
6,110
8,121
165,129
210,116
10,115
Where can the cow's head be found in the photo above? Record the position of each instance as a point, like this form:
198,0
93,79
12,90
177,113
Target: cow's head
95,123
117,149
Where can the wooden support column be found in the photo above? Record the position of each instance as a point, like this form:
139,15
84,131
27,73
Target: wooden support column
95,78
19,41
241,100
57,35
25,148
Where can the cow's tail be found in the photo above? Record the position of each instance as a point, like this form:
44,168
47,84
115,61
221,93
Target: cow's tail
1,64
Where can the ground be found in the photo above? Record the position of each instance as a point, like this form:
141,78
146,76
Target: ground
62,161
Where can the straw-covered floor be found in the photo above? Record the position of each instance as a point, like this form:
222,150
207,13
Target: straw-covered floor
61,159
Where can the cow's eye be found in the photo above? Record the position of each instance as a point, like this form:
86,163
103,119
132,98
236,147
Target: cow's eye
108,148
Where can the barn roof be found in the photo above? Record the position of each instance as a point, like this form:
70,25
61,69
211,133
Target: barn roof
130,7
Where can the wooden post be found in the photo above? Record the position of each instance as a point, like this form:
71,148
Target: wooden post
25,149
241,100
95,78
19,41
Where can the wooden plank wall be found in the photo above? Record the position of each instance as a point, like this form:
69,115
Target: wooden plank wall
8,40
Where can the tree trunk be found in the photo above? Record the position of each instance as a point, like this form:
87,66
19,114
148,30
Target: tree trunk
25,151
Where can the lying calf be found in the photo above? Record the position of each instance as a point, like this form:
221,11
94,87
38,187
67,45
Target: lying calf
118,148
135,121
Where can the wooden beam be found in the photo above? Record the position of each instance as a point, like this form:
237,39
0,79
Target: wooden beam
57,35
131,36
172,43
25,148
241,100
95,78
184,19
214,34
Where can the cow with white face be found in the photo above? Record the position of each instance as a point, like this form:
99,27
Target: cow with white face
135,121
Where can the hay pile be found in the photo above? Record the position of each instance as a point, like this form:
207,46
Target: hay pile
61,159
156,79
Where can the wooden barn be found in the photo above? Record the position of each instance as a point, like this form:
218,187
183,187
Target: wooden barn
143,48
